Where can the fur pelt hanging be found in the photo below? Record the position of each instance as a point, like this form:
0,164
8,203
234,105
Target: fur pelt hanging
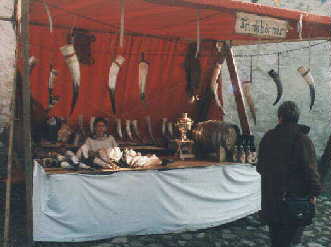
82,40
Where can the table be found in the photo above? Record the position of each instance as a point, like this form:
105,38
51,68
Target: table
76,207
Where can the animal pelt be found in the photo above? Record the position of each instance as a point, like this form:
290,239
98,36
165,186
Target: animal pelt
192,70
82,40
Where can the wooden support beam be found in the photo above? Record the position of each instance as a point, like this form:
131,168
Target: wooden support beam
6,236
27,119
236,84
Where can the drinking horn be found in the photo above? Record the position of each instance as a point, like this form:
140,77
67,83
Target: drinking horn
32,63
275,76
306,74
246,85
216,80
143,71
149,128
135,129
128,129
170,129
119,128
68,51
113,73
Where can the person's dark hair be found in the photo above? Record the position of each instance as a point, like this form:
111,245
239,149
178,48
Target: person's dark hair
289,112
100,119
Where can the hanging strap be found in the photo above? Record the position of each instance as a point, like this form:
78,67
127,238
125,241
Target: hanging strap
198,33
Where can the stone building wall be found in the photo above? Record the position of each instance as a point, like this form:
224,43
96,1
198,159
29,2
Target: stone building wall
7,60
295,88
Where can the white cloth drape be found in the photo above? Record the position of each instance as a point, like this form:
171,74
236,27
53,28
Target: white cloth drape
76,207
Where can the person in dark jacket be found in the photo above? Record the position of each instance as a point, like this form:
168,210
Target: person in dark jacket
287,164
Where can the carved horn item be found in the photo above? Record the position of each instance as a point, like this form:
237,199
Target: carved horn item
164,123
275,76
119,128
149,128
215,82
143,71
113,73
71,59
134,124
170,129
246,85
306,74
92,124
128,129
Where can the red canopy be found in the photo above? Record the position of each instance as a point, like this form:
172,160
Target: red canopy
159,28
173,18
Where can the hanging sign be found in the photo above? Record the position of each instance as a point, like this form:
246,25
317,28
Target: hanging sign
260,26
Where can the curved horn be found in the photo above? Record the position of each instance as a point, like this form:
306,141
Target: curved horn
305,73
246,86
68,51
275,76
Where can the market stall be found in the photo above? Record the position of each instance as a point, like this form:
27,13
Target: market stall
141,64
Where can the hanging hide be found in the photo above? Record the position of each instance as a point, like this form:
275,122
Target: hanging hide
82,40
149,128
128,130
119,128
192,71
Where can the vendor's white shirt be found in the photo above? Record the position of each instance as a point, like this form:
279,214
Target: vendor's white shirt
95,144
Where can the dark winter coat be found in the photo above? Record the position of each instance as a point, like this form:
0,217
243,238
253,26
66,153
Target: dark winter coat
287,163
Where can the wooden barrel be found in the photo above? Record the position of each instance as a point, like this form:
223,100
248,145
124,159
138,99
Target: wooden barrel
210,135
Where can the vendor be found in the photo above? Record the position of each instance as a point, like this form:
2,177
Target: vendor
99,140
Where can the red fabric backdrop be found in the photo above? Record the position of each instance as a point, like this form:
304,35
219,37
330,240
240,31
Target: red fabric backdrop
165,90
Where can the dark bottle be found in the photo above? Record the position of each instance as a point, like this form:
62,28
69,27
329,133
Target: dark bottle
252,158
241,154
235,156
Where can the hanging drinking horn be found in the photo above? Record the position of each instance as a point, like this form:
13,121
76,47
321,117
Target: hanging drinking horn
113,73
128,129
275,76
71,59
246,86
119,128
306,74
32,63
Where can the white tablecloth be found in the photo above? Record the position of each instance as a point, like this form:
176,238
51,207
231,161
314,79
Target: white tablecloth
76,207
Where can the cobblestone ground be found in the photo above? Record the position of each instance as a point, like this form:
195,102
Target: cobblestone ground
241,233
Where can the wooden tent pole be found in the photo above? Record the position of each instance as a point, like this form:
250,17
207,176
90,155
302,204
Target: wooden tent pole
246,129
9,167
27,119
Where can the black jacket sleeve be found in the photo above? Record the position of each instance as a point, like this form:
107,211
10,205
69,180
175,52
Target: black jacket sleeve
309,165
